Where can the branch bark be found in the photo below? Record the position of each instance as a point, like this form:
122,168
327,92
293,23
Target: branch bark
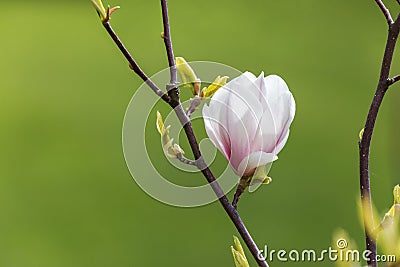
365,142
393,80
168,44
385,11
185,160
241,187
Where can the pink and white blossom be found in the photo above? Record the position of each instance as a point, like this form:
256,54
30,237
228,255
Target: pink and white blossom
248,120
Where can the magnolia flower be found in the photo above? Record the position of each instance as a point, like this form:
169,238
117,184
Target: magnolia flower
248,120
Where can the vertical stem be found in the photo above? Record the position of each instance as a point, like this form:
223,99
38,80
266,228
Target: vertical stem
364,144
241,187
168,43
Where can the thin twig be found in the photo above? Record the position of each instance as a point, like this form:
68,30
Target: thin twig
194,104
365,142
168,43
185,160
394,79
385,11
242,185
133,65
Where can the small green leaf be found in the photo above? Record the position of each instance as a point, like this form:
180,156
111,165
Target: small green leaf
360,135
218,83
160,123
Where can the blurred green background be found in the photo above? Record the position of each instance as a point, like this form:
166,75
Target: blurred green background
66,196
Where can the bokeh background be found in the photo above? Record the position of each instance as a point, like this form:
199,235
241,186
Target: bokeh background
66,195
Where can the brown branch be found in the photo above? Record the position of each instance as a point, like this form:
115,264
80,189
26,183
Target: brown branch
385,11
365,142
394,79
241,187
168,44
133,65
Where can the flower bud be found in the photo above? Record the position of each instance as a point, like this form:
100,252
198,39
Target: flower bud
248,120
396,194
170,149
210,90
177,149
394,210
260,177
388,231
189,78
360,134
98,5
238,254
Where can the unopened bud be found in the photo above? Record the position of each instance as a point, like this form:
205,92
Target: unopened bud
210,90
260,177
360,135
189,78
170,149
396,194
238,254
98,5
177,149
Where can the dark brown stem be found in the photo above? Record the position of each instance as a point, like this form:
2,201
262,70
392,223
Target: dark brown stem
242,185
394,79
168,44
133,65
385,11
365,142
